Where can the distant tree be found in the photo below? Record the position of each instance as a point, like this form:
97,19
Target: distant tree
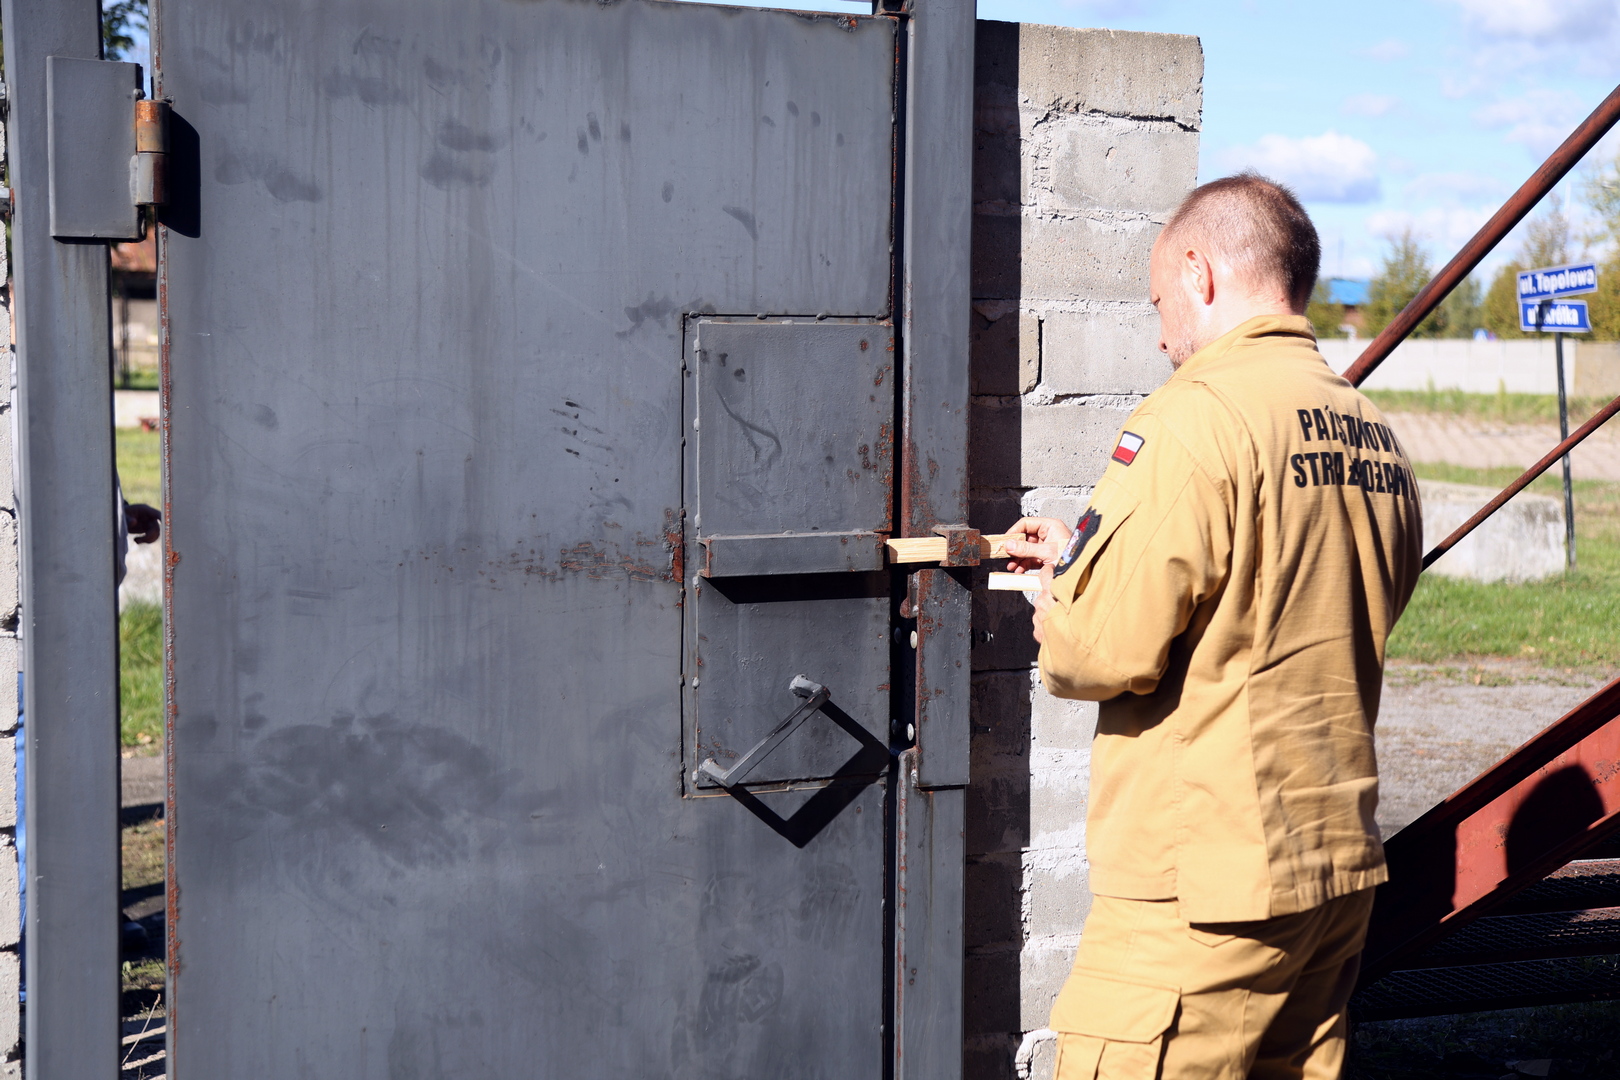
118,18
1500,312
1546,243
1604,305
1463,310
1326,316
1405,271
1602,192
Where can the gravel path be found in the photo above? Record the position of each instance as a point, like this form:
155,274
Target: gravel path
1440,726
1482,444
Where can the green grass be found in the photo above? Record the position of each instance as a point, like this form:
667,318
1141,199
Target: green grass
1569,621
140,675
138,468
140,626
140,378
1501,406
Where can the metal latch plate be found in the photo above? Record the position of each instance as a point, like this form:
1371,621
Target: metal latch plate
91,134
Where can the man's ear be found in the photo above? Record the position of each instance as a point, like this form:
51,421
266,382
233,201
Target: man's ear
1199,275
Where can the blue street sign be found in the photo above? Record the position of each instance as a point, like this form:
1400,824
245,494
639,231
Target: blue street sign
1554,316
1551,281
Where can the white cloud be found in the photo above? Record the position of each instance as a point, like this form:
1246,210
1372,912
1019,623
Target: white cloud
1320,168
1369,104
1539,20
1539,119
1391,49
1443,228
1453,187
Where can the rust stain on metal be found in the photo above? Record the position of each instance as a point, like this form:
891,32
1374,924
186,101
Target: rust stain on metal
675,542
171,559
606,562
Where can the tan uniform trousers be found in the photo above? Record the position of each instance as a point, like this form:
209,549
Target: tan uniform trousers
1151,996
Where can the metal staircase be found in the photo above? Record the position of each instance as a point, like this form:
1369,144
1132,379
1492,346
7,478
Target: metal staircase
1508,892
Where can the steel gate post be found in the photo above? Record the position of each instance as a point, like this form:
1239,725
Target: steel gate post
934,299
69,608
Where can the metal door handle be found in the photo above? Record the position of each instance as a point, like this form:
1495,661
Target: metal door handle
815,696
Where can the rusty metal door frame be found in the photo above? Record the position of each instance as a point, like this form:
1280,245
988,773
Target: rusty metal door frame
69,620
934,295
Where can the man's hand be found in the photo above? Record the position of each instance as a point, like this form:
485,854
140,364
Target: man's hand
143,523
1043,541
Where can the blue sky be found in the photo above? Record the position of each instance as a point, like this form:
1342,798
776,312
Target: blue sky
1383,115
1422,113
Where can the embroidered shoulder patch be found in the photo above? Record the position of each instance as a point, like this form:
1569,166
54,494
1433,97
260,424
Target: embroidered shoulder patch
1084,530
1130,444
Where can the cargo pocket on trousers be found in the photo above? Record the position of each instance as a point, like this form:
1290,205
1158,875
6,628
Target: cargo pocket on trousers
1111,1028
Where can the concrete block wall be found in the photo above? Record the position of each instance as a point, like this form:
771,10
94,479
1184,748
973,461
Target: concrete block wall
10,664
1084,142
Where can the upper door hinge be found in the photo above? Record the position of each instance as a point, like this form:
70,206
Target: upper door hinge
108,149
148,168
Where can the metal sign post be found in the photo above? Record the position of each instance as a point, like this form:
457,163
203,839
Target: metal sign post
1541,311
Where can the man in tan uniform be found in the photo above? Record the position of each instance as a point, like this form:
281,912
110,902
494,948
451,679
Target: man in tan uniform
1226,596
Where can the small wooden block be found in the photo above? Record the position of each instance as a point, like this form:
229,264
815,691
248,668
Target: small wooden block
914,549
1003,582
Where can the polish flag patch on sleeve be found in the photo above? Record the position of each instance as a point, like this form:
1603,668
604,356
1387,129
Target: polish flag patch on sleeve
1130,444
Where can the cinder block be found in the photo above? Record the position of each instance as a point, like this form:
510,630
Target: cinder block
8,563
996,809
989,1056
1065,444
1043,1058
10,1033
1058,784
999,713
1045,964
1004,350
1058,903
994,902
6,495
992,999
1065,504
999,169
1057,724
1044,258
1097,258
9,906
1123,166
1115,351
8,776
995,441
1108,71
1003,633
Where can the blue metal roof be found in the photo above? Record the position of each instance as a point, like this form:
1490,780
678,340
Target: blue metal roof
1351,292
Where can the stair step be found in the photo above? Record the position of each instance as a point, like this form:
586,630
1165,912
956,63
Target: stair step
1591,883
1481,987
1500,938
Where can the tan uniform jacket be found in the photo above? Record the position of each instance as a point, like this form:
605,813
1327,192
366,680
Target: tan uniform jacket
1229,605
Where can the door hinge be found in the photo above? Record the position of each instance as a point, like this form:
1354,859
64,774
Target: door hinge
108,147
148,168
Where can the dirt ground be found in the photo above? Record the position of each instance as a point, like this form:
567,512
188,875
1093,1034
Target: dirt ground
1440,725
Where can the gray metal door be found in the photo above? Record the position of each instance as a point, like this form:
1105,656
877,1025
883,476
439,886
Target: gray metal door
532,398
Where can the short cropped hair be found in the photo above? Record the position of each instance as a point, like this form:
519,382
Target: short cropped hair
1261,228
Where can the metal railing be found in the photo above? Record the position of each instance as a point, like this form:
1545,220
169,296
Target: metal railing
1446,868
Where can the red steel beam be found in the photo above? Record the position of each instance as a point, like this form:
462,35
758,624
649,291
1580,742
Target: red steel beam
1523,481
1501,223
1531,813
